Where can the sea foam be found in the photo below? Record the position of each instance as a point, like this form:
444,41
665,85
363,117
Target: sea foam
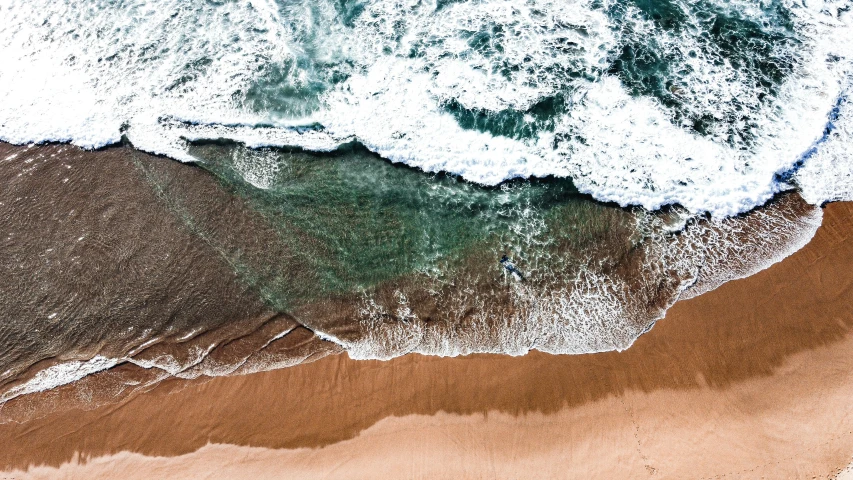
391,73
58,375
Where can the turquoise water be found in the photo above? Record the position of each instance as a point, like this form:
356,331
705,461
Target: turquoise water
352,220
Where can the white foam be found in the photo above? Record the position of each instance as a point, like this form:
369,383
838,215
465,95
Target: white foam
631,153
86,72
58,375
78,71
827,175
718,253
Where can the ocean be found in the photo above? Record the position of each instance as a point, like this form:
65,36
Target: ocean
389,177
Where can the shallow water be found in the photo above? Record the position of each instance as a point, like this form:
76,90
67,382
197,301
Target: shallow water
354,220
384,177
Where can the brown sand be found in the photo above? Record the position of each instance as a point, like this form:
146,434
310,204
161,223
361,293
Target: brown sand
98,258
752,380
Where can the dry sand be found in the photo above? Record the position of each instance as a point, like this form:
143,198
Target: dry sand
752,380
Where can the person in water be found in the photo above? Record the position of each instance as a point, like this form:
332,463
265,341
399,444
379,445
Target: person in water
511,268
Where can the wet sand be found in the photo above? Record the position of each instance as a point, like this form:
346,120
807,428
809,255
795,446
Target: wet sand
751,380
99,258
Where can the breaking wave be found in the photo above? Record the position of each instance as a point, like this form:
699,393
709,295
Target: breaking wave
710,105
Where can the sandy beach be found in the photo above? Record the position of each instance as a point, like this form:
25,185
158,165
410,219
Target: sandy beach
752,380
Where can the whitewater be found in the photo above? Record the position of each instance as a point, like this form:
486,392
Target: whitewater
714,105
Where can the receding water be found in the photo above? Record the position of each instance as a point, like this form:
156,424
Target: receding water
400,176
351,220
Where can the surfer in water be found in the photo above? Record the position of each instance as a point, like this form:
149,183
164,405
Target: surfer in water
511,268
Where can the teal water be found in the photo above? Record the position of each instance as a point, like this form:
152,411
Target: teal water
638,102
662,46
351,220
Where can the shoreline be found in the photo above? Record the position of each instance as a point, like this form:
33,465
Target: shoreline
754,372
177,262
